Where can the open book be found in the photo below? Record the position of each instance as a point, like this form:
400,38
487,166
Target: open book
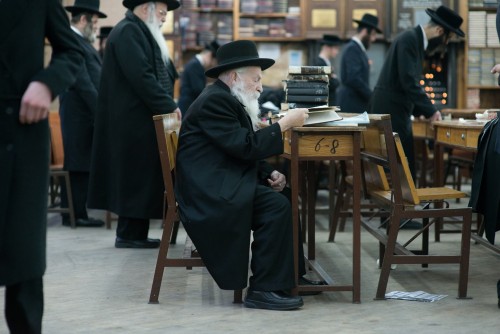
321,114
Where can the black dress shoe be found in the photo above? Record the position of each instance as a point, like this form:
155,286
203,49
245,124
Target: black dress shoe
306,281
146,243
89,222
272,300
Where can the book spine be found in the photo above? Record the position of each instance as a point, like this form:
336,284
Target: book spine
306,98
293,105
308,77
307,91
309,70
306,84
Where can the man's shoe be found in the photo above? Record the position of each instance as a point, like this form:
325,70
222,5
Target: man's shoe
306,281
272,300
90,222
146,243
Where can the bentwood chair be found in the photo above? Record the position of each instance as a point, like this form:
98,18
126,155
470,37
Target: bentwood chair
167,127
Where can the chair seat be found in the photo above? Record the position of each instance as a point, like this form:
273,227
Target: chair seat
438,193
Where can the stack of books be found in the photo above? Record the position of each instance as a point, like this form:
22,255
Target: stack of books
306,87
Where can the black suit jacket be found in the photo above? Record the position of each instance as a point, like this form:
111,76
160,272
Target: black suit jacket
354,93
193,81
24,157
78,106
398,91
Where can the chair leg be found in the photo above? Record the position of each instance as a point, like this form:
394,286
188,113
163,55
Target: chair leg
238,297
464,255
173,238
388,255
109,218
69,194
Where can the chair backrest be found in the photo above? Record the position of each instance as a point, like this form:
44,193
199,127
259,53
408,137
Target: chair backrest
56,142
166,135
409,191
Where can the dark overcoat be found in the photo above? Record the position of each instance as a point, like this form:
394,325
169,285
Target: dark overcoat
216,194
193,81
333,82
125,173
485,190
398,91
24,149
78,106
354,92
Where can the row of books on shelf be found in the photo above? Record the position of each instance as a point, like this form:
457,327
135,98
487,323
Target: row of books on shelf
277,27
482,3
223,4
264,6
480,62
482,29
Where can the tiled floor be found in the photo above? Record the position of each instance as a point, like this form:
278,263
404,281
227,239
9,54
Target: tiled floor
92,287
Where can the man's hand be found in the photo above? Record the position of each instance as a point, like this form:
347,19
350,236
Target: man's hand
293,118
277,181
35,103
179,114
436,117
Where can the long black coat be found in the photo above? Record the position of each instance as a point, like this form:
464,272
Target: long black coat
354,92
78,106
398,91
24,149
125,173
333,82
219,164
485,191
193,81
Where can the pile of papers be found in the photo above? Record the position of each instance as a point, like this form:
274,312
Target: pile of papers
419,296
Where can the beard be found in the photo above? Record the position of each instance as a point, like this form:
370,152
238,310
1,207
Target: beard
250,101
154,26
89,34
436,45
366,41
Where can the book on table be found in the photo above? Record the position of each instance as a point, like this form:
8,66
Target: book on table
309,70
306,98
306,91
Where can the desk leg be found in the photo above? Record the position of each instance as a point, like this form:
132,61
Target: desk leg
311,209
294,183
356,221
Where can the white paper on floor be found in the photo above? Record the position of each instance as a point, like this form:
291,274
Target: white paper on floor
419,296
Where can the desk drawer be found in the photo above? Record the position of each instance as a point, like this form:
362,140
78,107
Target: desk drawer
458,137
321,145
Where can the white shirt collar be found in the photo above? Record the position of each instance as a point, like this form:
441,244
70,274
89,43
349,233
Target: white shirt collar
358,41
327,61
76,30
426,42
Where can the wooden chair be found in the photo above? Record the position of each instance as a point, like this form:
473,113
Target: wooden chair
57,174
166,135
405,202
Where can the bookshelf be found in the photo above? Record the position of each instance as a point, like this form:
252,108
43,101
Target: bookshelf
481,53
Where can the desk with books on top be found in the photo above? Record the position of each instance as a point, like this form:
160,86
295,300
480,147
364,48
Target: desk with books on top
317,143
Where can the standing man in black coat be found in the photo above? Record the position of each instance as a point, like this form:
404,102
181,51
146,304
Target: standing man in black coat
193,79
78,106
354,93
137,82
26,92
329,49
398,91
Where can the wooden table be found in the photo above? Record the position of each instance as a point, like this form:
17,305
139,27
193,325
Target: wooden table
325,143
455,134
422,133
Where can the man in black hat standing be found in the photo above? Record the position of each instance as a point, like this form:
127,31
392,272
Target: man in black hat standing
137,82
78,106
398,91
27,88
193,79
354,93
103,38
329,49
225,189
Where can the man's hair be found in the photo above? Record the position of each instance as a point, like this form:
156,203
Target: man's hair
76,18
432,24
240,70
362,26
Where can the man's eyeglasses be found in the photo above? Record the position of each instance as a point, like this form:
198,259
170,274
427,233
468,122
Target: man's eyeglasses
163,13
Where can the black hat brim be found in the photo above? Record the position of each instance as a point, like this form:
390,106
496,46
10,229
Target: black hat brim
439,21
171,4
79,9
369,25
263,63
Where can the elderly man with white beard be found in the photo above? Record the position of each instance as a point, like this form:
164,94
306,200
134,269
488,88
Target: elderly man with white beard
225,188
137,82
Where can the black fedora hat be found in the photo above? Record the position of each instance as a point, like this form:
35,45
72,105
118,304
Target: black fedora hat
104,31
447,18
85,6
171,4
330,40
369,20
213,46
238,54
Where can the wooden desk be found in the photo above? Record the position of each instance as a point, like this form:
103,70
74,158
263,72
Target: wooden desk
422,133
462,135
461,113
325,143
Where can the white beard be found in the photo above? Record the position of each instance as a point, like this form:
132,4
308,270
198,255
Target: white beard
154,26
250,101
